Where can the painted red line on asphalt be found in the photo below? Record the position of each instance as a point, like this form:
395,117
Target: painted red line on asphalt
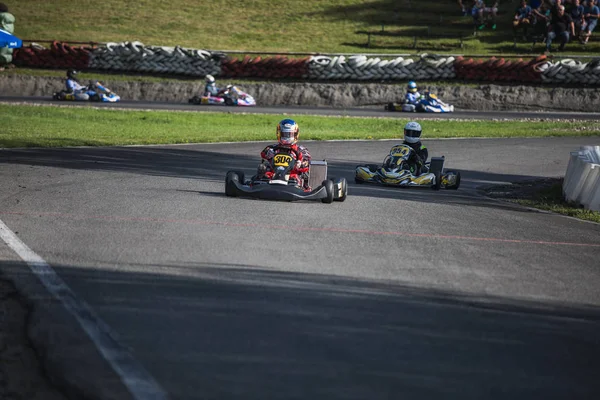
298,228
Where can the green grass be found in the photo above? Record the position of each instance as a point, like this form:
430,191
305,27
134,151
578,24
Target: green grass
48,126
326,26
551,199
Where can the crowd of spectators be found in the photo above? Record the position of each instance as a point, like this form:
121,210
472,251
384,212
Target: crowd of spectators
559,21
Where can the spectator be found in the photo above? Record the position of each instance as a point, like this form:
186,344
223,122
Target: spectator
7,23
481,14
576,14
522,18
591,20
560,26
465,7
541,19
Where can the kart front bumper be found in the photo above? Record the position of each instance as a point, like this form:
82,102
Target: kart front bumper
266,191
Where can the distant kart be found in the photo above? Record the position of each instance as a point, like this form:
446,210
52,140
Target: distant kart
427,103
286,186
396,171
230,96
96,92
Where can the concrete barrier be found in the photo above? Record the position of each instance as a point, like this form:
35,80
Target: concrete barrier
582,179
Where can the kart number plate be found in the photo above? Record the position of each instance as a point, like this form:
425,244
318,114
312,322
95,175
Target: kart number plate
282,160
399,151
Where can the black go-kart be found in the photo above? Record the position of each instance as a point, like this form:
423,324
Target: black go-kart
284,185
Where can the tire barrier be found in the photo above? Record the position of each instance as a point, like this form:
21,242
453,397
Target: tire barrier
267,67
582,179
494,69
134,56
360,67
59,55
570,71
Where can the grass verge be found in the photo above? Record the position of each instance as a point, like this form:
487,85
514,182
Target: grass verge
51,126
543,194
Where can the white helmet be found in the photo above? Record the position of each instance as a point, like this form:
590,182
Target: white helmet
210,79
412,132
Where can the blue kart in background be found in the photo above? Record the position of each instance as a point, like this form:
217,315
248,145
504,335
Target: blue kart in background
428,102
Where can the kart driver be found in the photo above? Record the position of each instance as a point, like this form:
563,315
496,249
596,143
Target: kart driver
73,86
287,137
412,94
211,88
412,138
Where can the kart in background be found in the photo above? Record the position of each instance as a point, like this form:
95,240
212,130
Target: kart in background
428,102
397,170
283,184
230,96
96,92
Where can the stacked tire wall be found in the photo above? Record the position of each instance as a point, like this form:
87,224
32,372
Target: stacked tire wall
139,58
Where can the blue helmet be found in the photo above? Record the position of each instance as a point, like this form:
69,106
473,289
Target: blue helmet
412,86
287,132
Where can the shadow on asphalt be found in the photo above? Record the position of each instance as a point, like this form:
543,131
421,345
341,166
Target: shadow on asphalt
226,330
195,164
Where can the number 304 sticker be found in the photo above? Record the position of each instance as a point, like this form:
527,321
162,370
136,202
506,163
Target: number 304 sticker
282,160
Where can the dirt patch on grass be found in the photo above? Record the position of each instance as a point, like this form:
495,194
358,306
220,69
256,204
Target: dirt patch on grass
538,189
543,194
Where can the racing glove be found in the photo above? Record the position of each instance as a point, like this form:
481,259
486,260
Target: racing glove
269,153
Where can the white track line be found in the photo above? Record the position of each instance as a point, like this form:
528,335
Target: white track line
133,375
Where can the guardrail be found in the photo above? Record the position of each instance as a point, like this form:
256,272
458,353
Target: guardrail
582,179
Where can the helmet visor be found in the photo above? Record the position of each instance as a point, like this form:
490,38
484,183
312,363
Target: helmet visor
412,133
287,138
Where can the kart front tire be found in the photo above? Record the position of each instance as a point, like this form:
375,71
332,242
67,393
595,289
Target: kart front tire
329,189
344,184
230,179
229,101
457,184
241,177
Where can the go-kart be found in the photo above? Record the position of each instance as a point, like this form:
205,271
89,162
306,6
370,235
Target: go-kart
95,90
230,96
398,170
281,183
428,102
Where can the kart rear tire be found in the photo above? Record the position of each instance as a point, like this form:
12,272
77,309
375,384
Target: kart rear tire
329,189
389,107
438,180
344,184
230,178
457,184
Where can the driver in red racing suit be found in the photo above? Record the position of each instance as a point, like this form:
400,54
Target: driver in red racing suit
287,138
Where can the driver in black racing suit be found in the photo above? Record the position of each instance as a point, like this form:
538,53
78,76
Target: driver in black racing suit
412,138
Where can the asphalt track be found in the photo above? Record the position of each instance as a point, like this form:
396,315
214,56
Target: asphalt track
371,111
391,294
